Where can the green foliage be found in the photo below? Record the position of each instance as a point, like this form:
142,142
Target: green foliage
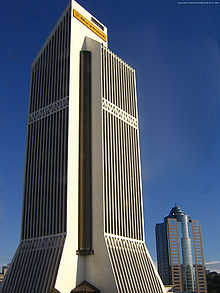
213,282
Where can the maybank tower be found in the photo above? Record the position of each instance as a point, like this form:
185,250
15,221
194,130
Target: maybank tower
82,219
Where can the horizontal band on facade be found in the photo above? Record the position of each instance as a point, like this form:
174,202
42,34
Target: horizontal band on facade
119,113
49,110
123,238
52,241
53,236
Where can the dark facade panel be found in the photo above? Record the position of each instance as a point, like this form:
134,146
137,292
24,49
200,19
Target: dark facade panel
85,152
162,253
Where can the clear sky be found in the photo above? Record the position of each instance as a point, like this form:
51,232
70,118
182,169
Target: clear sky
175,51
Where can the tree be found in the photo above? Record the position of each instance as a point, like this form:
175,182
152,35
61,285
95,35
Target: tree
213,282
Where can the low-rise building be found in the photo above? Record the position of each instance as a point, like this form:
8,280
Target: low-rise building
3,272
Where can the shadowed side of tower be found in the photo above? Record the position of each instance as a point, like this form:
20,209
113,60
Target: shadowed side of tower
43,231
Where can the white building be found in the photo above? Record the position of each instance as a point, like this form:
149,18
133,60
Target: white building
82,207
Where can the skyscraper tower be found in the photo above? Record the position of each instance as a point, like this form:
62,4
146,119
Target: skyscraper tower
175,266
82,219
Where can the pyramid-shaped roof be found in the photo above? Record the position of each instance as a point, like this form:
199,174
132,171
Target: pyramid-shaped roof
177,213
54,291
85,287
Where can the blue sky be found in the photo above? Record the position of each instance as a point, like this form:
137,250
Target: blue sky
175,51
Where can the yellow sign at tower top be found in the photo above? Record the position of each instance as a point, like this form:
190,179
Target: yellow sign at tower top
90,25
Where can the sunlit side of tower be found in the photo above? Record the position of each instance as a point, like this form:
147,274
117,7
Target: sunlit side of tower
82,214
175,255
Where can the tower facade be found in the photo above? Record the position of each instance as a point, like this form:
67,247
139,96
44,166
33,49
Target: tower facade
175,255
82,216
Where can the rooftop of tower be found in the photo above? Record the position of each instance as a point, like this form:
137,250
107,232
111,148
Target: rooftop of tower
176,212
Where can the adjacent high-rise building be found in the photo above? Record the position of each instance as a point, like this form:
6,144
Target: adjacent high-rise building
178,263
82,219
